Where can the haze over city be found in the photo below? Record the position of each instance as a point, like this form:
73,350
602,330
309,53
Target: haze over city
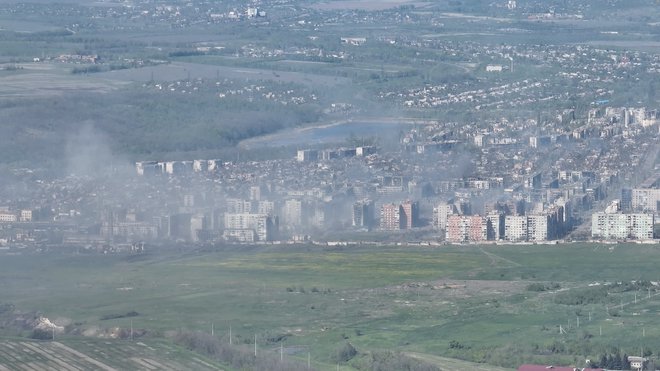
329,184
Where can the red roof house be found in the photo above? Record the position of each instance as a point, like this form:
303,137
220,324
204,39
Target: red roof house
554,368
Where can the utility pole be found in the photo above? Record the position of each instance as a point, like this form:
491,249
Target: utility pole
229,334
281,352
212,329
131,330
255,345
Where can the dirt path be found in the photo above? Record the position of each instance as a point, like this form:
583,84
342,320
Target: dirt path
494,259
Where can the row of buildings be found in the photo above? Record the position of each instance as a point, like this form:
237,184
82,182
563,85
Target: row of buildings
147,168
633,216
309,155
513,228
9,216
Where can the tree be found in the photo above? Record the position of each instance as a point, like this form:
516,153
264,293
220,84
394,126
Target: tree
603,361
617,362
626,362
609,363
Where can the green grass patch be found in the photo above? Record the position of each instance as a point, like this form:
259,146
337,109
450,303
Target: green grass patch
418,300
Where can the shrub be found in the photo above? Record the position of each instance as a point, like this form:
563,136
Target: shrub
41,334
539,286
454,344
346,352
387,361
582,296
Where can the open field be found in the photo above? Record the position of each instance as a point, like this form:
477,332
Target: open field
47,79
25,26
181,71
466,302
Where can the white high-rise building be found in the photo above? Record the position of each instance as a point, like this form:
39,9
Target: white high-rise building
537,227
495,220
255,193
266,207
646,199
26,216
7,217
440,215
622,226
292,212
515,228
260,224
238,206
196,225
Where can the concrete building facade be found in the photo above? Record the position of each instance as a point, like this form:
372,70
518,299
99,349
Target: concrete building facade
622,226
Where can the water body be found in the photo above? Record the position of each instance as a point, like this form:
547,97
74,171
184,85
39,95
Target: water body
329,134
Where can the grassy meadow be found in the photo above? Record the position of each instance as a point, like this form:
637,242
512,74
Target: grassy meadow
500,305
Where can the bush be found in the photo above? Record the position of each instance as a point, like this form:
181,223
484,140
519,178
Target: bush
86,69
536,286
345,353
116,316
388,361
41,334
582,296
454,344
211,347
539,287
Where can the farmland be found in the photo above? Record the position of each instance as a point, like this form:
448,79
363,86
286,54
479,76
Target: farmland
500,305
98,355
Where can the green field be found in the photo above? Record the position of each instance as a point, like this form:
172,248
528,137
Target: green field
470,303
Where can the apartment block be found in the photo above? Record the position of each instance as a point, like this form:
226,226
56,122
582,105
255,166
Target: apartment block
515,228
622,226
